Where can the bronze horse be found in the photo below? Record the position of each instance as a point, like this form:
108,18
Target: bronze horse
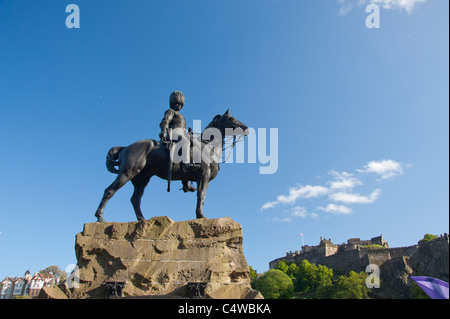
144,159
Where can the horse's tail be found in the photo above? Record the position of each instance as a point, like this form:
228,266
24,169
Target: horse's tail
112,159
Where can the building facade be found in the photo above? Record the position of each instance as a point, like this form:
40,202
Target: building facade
337,256
28,285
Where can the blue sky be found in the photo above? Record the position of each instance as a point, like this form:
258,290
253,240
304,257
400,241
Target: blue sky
362,117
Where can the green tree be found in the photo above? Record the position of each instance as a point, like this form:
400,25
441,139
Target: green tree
281,265
323,282
352,286
319,281
305,276
253,274
274,284
290,269
55,270
292,272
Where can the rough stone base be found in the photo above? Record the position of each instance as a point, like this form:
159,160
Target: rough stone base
160,257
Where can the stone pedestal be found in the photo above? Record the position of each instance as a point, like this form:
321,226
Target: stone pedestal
159,257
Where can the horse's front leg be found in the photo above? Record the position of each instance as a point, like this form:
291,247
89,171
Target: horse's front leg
202,186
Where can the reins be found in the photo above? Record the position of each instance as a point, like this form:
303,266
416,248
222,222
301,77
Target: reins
226,141
240,139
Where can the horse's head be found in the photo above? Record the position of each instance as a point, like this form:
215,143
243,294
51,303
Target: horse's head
229,125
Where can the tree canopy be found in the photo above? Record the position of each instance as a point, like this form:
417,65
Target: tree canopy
306,280
275,284
54,270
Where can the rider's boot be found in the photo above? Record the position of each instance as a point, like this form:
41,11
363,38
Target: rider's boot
187,187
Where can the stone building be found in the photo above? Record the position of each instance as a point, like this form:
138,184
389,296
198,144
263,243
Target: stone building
328,253
354,255
6,288
396,265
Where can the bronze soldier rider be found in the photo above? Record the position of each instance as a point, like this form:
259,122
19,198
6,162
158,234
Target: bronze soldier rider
174,122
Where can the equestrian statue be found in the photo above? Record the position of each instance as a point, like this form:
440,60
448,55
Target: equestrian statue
178,156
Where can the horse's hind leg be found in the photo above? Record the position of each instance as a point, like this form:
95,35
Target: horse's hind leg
139,184
121,180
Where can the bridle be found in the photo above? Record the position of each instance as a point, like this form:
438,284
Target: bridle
226,140
231,146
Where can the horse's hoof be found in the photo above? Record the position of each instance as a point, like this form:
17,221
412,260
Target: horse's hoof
100,220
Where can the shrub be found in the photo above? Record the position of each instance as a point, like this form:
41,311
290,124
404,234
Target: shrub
427,237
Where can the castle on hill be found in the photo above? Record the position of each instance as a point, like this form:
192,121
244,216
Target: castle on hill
354,255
